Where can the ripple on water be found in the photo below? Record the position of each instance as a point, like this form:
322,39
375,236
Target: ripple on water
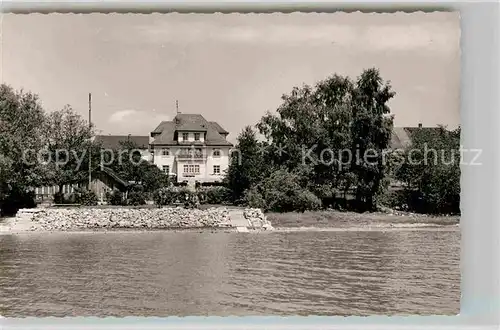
166,273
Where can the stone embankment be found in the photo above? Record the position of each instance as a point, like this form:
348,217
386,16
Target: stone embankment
61,219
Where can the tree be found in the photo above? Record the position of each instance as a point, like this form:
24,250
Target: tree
127,162
431,171
20,137
371,129
20,142
325,131
247,166
68,141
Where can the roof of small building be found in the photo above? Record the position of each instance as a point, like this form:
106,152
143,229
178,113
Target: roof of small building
401,136
164,133
114,141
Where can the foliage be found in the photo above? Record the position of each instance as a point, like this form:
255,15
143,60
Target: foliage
371,129
21,114
16,199
67,138
127,162
86,197
115,197
282,192
431,171
20,137
136,196
324,132
214,195
247,165
174,195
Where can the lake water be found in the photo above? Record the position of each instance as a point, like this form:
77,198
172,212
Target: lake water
167,273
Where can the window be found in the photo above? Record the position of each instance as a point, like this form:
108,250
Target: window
166,169
197,136
191,169
185,136
216,153
165,152
216,169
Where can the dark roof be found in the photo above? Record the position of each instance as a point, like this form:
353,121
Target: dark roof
112,174
401,136
190,122
164,133
113,141
218,128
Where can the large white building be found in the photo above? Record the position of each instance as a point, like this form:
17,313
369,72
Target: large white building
191,148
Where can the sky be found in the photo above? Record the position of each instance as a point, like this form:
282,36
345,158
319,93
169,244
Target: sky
231,68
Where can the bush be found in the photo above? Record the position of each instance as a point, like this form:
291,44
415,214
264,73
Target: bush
164,196
59,198
136,198
281,192
84,197
214,195
254,198
115,197
14,200
172,195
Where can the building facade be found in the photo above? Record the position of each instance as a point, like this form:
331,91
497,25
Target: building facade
191,149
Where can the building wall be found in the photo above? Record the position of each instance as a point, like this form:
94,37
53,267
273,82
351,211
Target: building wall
206,164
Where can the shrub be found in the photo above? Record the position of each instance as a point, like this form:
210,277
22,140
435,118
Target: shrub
171,195
214,195
115,197
164,196
14,200
282,192
84,197
136,198
59,198
254,198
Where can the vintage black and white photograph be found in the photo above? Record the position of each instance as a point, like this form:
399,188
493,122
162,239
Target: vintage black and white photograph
230,164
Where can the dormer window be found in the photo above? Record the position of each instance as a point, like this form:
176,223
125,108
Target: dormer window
185,136
197,136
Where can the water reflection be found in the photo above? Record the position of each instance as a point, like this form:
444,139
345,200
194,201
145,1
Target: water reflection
166,273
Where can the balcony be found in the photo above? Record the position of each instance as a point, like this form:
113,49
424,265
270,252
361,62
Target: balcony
198,156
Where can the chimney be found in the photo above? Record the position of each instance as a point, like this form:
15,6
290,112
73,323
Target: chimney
419,125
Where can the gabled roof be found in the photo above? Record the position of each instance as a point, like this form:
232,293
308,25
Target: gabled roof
164,133
113,175
190,122
218,128
113,141
401,136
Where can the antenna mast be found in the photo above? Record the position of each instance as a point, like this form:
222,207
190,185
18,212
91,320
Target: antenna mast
90,146
177,106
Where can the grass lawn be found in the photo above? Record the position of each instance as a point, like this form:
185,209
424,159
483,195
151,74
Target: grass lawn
337,219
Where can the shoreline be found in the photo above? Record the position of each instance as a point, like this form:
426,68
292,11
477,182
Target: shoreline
281,222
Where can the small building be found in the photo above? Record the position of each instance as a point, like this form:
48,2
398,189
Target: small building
191,148
103,180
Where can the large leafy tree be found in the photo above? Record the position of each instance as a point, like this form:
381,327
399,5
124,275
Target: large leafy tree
20,137
68,141
247,165
20,142
371,128
324,132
